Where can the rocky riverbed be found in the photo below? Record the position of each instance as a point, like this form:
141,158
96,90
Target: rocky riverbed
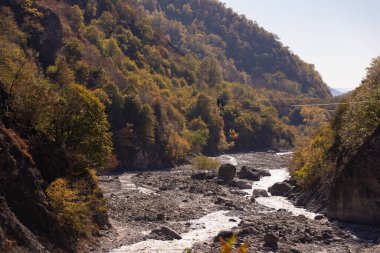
168,211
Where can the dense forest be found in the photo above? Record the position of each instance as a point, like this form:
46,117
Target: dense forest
101,84
156,80
338,164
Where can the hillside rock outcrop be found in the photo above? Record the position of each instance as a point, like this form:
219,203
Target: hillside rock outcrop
355,194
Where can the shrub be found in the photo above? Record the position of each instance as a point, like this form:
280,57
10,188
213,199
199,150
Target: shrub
72,212
205,163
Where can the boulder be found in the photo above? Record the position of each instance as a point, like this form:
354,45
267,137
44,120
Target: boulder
264,173
279,189
167,232
259,193
243,184
225,234
199,176
246,173
319,217
227,172
271,239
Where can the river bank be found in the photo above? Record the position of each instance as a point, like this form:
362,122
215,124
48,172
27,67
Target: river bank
198,209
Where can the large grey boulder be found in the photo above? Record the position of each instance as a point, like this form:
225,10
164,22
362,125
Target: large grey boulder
259,193
227,172
246,173
243,184
280,189
271,240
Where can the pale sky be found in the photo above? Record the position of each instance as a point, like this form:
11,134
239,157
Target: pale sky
340,37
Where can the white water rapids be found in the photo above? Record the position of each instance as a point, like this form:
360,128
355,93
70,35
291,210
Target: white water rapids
207,227
201,230
275,202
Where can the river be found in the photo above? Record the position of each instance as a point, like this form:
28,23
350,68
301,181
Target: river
208,226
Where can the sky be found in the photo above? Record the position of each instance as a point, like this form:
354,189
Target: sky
340,37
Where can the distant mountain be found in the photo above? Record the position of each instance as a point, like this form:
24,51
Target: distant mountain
335,92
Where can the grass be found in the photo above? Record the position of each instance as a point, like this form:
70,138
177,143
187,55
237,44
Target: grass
205,163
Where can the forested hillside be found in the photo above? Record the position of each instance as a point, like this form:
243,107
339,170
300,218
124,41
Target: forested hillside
158,68
209,29
340,165
101,84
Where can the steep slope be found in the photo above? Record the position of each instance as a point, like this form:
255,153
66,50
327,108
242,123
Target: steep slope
355,193
159,80
340,165
217,31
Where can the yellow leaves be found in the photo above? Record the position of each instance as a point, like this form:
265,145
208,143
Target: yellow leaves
228,246
70,208
177,147
310,161
27,6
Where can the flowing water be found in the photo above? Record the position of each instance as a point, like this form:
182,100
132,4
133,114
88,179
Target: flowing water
207,227
275,202
201,230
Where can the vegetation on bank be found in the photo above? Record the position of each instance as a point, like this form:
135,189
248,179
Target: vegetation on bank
355,120
205,163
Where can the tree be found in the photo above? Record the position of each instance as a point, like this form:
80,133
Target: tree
79,124
207,111
76,18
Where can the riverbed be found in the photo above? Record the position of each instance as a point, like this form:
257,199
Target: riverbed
141,202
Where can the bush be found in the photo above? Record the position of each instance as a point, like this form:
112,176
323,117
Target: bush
72,212
205,163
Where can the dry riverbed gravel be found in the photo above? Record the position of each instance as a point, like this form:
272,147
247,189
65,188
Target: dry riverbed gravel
142,202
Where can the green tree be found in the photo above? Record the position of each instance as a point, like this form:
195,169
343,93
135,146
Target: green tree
80,124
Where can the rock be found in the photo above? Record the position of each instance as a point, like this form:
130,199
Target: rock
167,232
319,217
221,200
238,192
243,184
225,234
264,173
271,239
199,176
246,173
355,190
279,189
259,193
227,172
253,199
161,216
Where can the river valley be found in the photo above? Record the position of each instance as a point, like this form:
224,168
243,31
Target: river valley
196,211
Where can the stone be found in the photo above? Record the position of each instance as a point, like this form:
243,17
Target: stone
225,234
246,173
271,239
227,172
222,200
243,184
259,193
169,233
319,217
199,176
279,189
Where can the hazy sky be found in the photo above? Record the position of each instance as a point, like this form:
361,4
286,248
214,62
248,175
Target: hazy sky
340,37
